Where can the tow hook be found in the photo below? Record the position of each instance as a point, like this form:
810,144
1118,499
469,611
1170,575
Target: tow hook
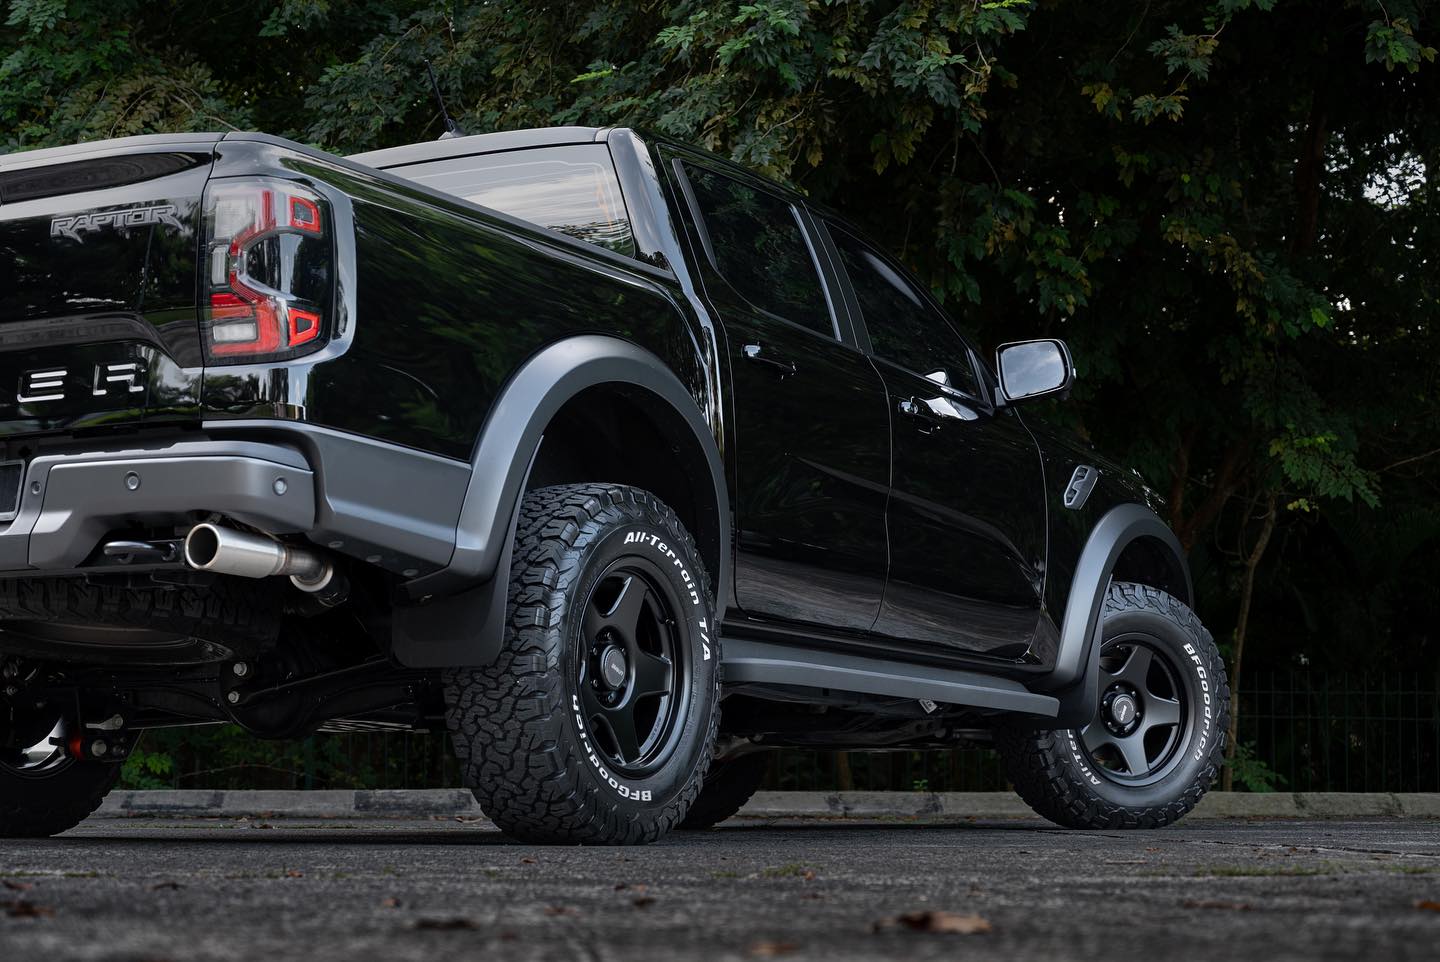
103,741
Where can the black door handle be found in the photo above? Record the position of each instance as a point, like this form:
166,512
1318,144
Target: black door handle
754,352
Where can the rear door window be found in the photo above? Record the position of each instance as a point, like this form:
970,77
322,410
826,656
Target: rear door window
571,188
757,245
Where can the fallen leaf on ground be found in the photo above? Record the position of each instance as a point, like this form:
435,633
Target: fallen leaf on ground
637,887
18,886
21,909
527,860
935,921
560,910
446,925
768,950
164,886
390,903
643,902
1428,904
294,873
1214,904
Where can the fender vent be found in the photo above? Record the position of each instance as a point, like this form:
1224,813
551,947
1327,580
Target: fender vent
1082,482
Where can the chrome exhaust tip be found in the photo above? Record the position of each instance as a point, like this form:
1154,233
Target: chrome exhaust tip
225,551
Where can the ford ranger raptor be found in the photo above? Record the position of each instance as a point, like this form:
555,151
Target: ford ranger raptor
611,460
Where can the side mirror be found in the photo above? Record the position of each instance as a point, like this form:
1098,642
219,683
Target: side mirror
1034,369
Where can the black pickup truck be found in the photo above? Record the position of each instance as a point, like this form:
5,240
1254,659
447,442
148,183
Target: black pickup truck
610,458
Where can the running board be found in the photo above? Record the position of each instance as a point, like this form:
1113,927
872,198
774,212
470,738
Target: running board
769,663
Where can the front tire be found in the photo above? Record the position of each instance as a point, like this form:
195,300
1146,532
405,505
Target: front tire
596,723
43,791
1157,738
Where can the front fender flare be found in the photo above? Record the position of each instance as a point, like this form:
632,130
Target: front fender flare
1120,527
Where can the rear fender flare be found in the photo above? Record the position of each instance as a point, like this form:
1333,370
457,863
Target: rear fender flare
463,614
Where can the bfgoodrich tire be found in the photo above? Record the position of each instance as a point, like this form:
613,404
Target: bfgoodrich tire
596,723
1157,737
42,790
728,786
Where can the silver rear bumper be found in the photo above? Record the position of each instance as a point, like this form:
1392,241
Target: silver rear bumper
69,502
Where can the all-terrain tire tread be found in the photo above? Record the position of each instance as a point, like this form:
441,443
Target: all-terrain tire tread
727,788
508,720
1034,760
230,610
27,810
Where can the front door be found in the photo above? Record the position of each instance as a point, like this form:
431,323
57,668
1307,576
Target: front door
810,426
967,503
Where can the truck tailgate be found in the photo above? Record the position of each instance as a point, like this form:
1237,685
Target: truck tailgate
99,316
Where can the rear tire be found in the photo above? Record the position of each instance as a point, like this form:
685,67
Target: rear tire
1133,766
728,786
596,722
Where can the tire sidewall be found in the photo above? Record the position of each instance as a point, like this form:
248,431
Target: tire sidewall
672,554
1192,657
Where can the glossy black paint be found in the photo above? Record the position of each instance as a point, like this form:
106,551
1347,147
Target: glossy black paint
428,358
862,515
810,436
966,520
91,277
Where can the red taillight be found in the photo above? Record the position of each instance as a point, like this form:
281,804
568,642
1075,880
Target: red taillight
304,215
268,271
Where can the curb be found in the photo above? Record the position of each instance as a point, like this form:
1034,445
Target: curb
447,802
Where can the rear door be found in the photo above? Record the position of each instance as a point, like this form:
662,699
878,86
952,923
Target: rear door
98,284
966,513
809,428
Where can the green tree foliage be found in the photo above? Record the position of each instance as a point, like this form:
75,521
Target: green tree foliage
1226,207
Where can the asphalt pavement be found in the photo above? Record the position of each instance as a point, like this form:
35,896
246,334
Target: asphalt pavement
175,890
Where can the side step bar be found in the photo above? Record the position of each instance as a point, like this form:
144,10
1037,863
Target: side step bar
764,662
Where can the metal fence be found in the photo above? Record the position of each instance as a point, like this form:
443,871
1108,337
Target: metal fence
1316,731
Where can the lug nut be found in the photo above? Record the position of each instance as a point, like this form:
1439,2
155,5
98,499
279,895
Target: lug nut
241,669
233,698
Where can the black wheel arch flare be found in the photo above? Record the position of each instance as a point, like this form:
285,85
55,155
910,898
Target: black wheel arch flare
1122,527
440,629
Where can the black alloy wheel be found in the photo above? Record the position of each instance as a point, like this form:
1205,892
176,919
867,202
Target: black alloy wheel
596,721
634,677
1142,714
44,790
32,757
1155,740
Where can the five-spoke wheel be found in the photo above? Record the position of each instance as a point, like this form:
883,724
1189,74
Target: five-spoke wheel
1140,719
632,673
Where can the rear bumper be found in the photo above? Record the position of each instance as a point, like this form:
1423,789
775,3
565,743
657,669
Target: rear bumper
389,506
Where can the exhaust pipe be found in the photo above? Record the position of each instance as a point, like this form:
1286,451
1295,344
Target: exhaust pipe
225,551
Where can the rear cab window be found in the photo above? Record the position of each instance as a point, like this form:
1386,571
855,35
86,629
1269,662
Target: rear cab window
570,188
756,244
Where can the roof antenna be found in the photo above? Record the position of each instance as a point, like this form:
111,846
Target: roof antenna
452,129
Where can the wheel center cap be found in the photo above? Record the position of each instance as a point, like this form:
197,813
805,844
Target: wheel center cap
613,667
1122,709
